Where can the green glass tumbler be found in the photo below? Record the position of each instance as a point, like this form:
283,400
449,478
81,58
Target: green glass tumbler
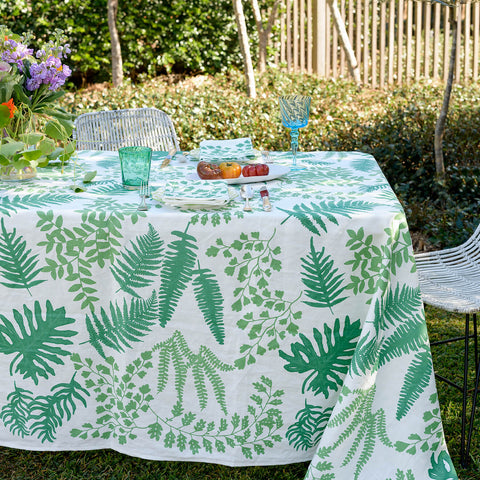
135,163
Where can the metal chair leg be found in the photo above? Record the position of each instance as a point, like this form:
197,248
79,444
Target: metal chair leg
465,439
475,392
463,460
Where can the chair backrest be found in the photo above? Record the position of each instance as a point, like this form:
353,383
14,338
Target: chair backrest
114,129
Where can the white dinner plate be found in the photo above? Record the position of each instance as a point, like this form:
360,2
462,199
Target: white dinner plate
275,171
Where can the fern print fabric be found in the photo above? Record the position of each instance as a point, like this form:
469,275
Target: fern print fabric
211,334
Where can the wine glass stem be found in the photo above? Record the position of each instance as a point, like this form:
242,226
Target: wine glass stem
294,144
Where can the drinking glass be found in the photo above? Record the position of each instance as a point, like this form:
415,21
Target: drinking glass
135,163
295,110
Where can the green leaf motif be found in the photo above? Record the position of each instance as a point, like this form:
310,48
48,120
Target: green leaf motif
176,272
307,431
320,277
139,265
401,475
42,415
366,425
408,337
210,301
38,349
393,310
47,412
329,366
15,414
324,210
416,380
442,469
31,201
203,365
17,264
124,325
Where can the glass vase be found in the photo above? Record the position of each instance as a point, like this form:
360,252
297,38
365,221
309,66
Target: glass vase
9,173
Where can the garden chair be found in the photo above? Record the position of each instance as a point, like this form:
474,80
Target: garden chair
450,280
114,129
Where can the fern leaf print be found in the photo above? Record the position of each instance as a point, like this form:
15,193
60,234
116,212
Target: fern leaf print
140,264
126,324
18,267
210,301
324,285
177,271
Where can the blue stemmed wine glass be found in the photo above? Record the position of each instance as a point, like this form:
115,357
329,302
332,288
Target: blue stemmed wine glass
295,110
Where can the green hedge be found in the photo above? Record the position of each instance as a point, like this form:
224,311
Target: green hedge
157,36
395,125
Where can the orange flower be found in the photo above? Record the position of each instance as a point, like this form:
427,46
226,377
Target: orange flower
10,106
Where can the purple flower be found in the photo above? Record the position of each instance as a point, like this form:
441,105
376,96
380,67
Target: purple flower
49,72
15,53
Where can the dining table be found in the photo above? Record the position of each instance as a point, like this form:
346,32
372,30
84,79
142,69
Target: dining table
199,331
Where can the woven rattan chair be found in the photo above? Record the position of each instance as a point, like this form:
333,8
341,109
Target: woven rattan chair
450,280
114,129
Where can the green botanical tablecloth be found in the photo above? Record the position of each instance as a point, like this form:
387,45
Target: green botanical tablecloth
217,335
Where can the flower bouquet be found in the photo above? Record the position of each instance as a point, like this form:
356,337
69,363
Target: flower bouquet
33,130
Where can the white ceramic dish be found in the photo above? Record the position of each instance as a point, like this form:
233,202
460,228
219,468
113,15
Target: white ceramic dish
276,171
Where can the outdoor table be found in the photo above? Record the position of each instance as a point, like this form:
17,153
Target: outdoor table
214,334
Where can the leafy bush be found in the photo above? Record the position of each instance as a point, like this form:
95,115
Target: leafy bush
395,125
157,36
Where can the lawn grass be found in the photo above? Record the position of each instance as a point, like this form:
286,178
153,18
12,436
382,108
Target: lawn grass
110,465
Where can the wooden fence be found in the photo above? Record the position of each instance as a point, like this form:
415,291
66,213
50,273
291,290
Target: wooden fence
394,41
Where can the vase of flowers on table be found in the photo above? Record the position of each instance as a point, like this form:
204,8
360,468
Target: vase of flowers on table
33,129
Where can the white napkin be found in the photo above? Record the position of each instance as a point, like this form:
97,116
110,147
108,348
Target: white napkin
226,149
200,193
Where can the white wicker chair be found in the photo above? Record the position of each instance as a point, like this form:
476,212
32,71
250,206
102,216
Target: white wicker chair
113,129
450,280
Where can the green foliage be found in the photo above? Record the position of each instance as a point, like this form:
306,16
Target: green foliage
37,347
364,424
432,433
17,264
176,272
26,415
210,301
156,35
122,404
75,250
203,366
315,213
124,325
137,267
307,431
323,284
329,365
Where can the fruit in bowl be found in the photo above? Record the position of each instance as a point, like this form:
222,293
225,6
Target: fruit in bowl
230,169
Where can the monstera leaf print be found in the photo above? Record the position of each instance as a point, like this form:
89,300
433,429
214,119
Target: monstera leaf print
176,273
326,367
443,469
139,265
37,346
210,301
323,284
17,264
126,324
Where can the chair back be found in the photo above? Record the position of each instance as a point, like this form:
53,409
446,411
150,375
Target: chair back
114,129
